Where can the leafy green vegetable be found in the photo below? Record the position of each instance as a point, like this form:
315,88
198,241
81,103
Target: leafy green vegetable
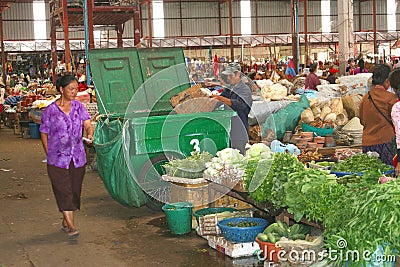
310,193
264,178
190,167
361,163
372,219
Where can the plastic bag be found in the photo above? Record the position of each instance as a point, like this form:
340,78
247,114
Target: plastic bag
112,166
284,120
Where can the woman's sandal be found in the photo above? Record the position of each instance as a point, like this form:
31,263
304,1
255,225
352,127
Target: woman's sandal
65,229
73,234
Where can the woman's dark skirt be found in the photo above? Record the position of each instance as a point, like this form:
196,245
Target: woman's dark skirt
386,151
67,186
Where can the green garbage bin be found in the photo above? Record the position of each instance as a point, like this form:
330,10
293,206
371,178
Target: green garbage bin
179,217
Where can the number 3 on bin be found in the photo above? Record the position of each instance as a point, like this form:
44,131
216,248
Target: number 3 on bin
195,143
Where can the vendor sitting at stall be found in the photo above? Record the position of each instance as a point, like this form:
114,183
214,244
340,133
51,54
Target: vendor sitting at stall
332,77
312,79
238,97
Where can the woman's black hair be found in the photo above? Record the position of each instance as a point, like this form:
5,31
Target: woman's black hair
313,67
64,81
394,79
380,74
361,65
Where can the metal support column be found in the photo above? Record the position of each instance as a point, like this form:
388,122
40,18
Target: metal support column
294,33
180,18
306,50
53,39
90,5
120,31
150,23
3,53
87,42
231,31
256,16
346,33
297,59
374,29
219,19
66,37
137,26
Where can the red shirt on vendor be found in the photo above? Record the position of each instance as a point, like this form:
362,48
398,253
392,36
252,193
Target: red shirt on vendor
312,79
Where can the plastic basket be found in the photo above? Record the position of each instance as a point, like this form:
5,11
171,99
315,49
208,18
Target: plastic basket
208,211
270,250
318,131
242,234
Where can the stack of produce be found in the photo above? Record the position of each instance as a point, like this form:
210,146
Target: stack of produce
190,167
353,131
274,232
354,84
264,178
361,163
226,168
325,114
361,211
274,92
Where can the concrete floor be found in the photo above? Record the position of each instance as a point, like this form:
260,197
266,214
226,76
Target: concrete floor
111,235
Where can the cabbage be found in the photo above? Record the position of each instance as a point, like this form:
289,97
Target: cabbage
230,155
256,150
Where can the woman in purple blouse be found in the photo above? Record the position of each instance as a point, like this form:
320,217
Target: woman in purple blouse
61,132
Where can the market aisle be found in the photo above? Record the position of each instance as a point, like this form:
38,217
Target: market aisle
111,235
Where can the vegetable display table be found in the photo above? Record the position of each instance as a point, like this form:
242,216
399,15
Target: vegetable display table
285,216
216,191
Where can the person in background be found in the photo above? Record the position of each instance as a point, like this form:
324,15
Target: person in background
3,96
361,67
312,79
394,80
396,64
61,134
332,75
238,97
82,83
290,68
375,116
194,79
350,69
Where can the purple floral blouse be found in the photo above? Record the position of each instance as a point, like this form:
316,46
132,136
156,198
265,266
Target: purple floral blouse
65,135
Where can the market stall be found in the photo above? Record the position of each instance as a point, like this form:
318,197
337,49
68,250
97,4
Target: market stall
308,173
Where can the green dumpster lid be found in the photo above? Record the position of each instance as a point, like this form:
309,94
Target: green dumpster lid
121,73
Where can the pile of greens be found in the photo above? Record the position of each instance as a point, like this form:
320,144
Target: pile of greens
361,163
366,217
355,208
264,177
310,193
190,167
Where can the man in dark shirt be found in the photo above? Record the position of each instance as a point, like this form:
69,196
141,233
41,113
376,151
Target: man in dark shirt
238,97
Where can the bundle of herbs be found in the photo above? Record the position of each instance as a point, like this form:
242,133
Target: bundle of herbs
190,167
364,219
264,178
361,163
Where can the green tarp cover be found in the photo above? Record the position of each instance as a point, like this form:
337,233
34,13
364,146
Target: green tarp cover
112,166
285,119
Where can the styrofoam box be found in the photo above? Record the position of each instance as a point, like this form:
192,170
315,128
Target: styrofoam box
234,250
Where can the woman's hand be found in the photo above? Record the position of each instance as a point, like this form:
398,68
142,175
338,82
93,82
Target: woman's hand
90,137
